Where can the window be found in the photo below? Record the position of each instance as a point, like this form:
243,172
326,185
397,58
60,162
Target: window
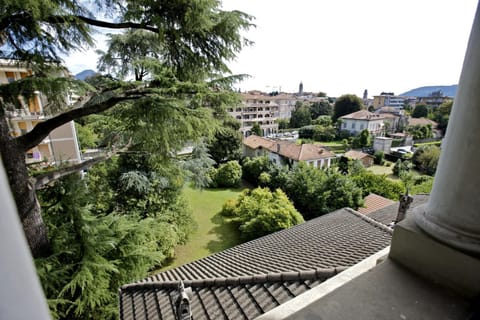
344,125
353,125
10,76
361,127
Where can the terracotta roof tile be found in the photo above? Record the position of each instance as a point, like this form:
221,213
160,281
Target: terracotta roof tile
255,142
291,150
363,115
357,155
388,214
374,202
422,122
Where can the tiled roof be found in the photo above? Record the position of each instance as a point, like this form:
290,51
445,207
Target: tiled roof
313,151
255,142
374,202
250,279
421,122
388,214
356,155
363,115
303,152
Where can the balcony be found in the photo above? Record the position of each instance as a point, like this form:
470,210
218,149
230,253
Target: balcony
24,114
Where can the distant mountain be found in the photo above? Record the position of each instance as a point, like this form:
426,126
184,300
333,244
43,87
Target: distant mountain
85,74
448,91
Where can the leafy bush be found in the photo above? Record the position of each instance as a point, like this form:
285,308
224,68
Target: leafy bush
252,168
401,166
315,192
422,184
228,174
378,184
317,132
425,159
379,158
228,208
259,212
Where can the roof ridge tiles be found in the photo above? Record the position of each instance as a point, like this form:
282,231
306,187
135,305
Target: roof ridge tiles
287,276
370,220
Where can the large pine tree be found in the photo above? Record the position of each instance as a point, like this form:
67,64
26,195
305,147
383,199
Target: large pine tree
195,38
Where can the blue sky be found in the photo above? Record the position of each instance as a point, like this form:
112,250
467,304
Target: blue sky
346,46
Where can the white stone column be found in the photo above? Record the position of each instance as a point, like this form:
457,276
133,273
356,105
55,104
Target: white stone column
452,214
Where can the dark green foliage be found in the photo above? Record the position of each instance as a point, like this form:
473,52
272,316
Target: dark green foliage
252,168
344,165
275,178
322,120
378,184
283,124
198,167
130,54
420,131
346,104
420,111
300,116
362,140
379,158
226,143
442,114
257,130
317,133
425,159
259,212
228,175
95,253
321,108
421,184
401,166
315,192
340,192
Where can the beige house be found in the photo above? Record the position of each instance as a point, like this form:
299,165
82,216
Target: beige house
358,121
61,144
287,153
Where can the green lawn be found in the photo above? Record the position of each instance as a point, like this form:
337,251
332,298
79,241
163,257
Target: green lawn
388,170
378,169
213,233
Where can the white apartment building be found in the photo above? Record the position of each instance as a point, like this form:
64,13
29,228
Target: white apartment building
264,109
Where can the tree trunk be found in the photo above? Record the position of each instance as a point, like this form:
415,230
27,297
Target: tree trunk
28,207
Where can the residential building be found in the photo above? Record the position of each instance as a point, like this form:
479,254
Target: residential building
288,153
61,144
434,100
388,99
259,108
365,158
358,121
394,119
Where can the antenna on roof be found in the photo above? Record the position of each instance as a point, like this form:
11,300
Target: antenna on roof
182,303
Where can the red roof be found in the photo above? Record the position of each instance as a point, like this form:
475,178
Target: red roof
291,150
374,202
